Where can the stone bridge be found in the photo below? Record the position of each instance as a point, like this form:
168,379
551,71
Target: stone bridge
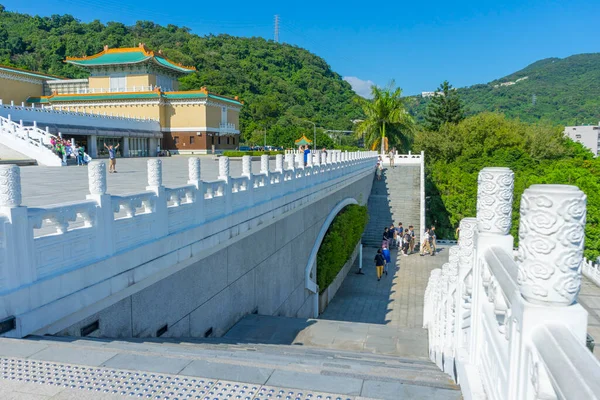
188,260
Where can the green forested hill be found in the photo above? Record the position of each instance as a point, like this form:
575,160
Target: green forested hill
562,91
280,84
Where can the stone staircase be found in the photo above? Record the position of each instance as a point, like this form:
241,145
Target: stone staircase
300,371
395,198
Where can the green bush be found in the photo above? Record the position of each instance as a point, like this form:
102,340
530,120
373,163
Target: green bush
339,242
237,153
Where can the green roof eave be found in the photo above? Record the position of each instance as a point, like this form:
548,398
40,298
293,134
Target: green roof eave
127,58
37,100
27,73
225,99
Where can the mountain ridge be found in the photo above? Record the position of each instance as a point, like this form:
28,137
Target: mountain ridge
560,91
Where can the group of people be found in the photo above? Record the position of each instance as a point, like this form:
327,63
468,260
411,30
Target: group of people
66,149
404,240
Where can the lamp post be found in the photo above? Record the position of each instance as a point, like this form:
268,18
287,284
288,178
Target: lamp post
314,134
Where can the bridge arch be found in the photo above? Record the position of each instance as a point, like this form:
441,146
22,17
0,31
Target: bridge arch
310,284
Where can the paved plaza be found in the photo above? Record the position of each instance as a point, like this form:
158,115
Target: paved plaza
42,186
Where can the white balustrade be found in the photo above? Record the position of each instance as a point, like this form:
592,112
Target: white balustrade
109,224
512,329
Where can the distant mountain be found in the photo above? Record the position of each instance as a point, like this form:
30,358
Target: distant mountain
563,91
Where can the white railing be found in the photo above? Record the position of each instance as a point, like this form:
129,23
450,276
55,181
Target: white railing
29,141
506,327
61,115
592,271
118,90
49,243
404,159
228,128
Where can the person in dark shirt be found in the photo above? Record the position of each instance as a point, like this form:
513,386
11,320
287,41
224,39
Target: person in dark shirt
385,236
379,263
390,236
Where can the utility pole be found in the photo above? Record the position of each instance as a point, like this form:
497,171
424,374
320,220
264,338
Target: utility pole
276,28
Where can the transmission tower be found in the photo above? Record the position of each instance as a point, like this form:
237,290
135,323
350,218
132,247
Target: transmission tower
277,28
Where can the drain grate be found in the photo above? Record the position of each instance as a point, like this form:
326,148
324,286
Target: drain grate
146,385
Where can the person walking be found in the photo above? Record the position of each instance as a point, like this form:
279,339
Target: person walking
391,156
379,263
388,258
399,235
411,230
391,236
112,156
425,242
80,155
432,240
406,242
306,154
384,237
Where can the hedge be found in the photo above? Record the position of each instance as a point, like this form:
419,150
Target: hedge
339,242
250,153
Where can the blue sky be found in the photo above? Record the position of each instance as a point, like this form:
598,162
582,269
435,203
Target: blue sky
418,44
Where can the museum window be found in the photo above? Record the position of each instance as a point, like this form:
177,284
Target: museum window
233,138
192,140
219,140
176,140
227,139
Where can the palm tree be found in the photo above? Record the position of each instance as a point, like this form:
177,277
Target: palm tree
385,111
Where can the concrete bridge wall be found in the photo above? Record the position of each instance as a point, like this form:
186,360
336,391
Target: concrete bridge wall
192,258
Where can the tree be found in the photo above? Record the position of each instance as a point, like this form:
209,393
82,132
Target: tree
386,111
445,107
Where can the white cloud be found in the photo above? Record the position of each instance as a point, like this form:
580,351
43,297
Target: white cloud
362,88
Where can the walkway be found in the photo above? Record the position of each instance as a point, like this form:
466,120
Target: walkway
589,298
43,186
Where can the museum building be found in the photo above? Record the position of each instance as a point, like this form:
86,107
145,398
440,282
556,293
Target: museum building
133,83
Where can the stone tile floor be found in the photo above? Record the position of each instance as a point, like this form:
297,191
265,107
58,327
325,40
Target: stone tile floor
42,186
396,300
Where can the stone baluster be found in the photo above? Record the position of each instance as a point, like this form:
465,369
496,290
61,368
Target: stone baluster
279,163
494,212
247,166
264,164
195,179
299,160
309,160
104,221
323,159
465,279
19,267
330,157
549,260
551,240
224,176
161,227
224,169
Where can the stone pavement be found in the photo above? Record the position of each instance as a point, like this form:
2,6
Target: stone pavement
43,186
70,368
396,300
589,298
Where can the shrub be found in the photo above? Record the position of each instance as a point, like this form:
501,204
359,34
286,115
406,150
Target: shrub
339,242
237,153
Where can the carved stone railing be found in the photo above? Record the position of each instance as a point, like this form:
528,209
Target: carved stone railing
44,244
591,271
506,327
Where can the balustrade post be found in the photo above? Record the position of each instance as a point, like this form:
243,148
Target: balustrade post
160,209
224,176
247,166
549,259
465,286
105,217
195,178
19,264
494,213
279,163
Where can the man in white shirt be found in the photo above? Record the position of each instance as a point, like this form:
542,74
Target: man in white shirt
425,243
